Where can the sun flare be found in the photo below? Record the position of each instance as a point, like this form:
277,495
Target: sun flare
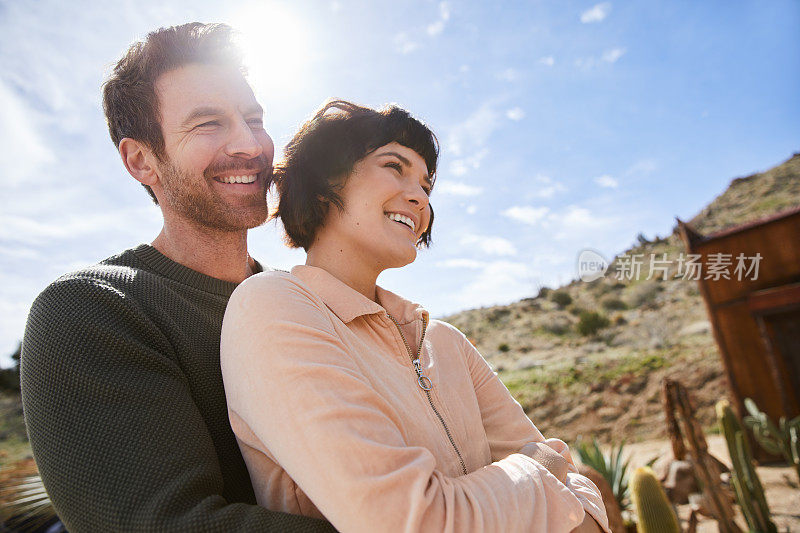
275,46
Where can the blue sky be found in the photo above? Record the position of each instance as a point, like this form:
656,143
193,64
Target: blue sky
563,124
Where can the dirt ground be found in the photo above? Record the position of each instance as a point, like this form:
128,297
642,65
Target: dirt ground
780,484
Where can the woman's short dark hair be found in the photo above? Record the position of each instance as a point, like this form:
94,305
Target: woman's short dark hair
320,157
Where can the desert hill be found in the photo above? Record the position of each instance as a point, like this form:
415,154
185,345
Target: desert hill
574,381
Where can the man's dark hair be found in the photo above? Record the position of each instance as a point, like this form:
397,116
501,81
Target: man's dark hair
321,156
130,101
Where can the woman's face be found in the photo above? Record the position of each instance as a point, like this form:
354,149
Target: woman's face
385,209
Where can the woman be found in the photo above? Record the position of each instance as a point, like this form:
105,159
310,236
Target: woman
347,401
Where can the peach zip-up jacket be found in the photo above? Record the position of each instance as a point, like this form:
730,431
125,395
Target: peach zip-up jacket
332,422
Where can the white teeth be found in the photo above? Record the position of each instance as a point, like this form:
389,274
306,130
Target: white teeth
402,218
239,179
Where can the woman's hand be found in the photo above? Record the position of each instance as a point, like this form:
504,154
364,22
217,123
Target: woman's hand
548,458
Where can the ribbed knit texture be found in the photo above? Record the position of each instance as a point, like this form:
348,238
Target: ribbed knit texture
125,407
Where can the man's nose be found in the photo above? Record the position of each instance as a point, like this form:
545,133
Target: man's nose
243,142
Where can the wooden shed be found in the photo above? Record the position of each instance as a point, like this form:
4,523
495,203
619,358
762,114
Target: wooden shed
755,312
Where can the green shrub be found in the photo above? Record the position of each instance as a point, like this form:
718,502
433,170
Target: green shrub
543,292
503,347
644,293
557,326
613,304
9,377
590,323
561,298
576,310
610,466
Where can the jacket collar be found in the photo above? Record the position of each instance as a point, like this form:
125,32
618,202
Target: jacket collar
348,304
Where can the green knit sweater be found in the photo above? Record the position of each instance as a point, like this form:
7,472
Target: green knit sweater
125,407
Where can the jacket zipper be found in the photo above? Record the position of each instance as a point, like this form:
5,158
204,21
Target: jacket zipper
425,383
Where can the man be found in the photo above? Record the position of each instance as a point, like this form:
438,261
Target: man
121,383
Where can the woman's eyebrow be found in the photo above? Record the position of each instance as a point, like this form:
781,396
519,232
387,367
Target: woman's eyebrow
406,162
402,159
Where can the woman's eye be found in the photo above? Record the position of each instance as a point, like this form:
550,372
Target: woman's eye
395,166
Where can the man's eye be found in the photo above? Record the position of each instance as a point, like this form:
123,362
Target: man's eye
209,124
256,123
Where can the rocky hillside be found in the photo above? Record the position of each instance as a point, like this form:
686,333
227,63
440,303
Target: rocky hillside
589,358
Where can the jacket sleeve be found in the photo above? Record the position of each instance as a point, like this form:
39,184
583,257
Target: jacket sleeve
117,437
341,442
508,428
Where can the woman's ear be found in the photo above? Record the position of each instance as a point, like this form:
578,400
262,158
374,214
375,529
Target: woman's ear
139,160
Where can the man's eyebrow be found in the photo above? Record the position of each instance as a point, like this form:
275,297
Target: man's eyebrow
210,111
406,162
200,112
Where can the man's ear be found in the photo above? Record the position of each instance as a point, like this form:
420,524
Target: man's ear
139,160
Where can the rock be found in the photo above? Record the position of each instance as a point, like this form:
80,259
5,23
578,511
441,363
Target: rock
695,328
680,482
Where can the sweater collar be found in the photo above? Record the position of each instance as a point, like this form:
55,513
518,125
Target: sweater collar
183,274
348,304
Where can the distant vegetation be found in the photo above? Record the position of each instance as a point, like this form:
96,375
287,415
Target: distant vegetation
603,347
9,377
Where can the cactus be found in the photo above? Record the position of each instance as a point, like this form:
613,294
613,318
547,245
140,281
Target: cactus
745,481
653,510
782,439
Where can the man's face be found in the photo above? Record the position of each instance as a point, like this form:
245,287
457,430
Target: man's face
217,156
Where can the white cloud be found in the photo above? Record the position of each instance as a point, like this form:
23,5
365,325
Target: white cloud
642,167
499,282
607,181
444,10
489,245
545,187
437,27
515,113
458,189
508,75
24,153
459,167
29,229
611,56
461,263
335,6
526,214
580,225
597,13
472,209
576,216
548,61
474,131
404,44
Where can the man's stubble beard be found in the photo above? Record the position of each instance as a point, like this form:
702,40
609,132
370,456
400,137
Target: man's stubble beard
193,201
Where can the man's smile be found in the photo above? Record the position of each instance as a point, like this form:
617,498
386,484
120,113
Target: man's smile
249,178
